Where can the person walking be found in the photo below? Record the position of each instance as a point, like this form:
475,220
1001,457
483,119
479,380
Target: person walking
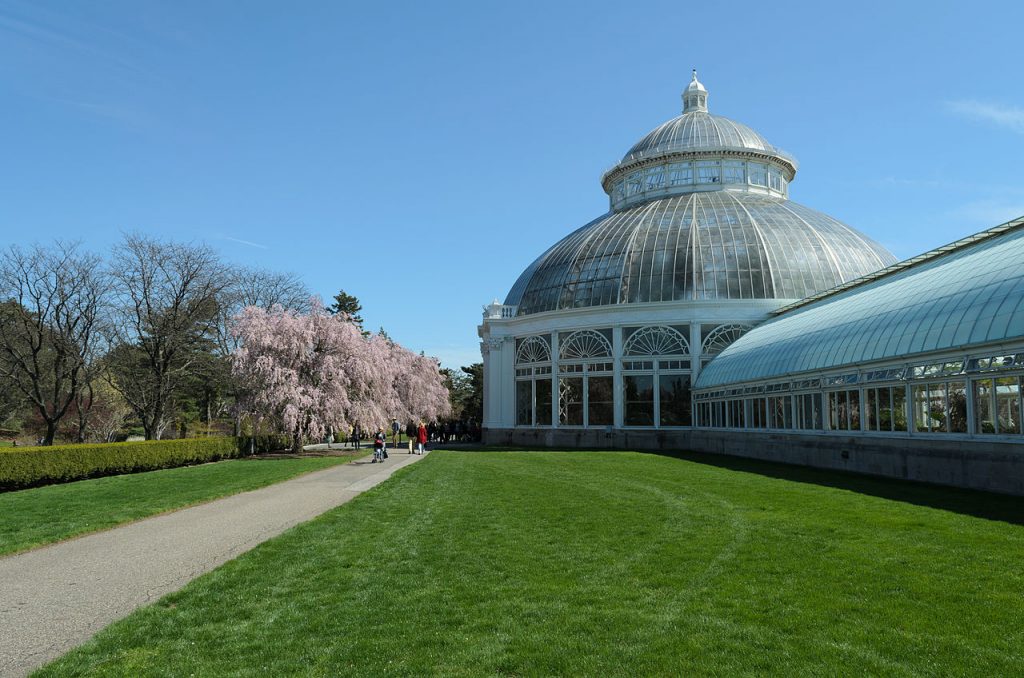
410,433
421,438
355,436
396,432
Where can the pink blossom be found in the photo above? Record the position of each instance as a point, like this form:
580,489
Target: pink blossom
314,372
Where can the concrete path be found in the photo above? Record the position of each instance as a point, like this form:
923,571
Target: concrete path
54,598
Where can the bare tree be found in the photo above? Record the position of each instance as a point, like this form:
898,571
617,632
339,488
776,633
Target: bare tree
261,288
50,330
168,297
246,287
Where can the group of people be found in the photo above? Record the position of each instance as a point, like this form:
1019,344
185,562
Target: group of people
415,434
454,431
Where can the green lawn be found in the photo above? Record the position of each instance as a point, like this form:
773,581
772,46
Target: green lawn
44,515
480,563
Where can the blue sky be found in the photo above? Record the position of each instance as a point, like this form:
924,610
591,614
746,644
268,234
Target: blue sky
420,155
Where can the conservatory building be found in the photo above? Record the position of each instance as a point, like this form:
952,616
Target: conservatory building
603,336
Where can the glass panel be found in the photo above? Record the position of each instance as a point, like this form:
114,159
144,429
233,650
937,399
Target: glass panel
983,421
757,405
639,399
885,409
655,178
757,174
919,400
543,402
833,411
524,403
709,172
600,401
957,407
899,408
733,172
736,414
680,174
787,412
1008,404
871,408
674,391
937,407
853,405
570,401
635,183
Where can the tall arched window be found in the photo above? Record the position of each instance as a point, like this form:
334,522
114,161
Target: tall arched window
533,381
656,376
585,384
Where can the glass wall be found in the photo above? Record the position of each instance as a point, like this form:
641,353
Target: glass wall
969,396
533,381
654,180
656,376
585,381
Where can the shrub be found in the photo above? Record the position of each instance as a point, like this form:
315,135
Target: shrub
30,467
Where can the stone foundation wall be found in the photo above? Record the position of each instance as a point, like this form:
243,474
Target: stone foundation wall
991,465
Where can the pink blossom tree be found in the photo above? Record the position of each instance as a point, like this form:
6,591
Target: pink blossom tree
297,368
418,385
313,372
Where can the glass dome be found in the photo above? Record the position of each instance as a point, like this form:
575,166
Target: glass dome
699,210
700,131
710,245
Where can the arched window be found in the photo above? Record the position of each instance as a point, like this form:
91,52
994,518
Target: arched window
585,393
658,340
656,377
585,344
533,350
720,337
533,382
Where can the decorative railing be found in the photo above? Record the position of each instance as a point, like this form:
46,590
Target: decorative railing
496,310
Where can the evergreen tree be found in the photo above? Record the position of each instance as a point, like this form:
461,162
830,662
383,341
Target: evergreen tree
346,303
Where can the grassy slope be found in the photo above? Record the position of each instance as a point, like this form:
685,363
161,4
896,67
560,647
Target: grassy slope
597,563
44,515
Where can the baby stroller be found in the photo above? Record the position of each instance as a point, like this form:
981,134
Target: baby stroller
379,451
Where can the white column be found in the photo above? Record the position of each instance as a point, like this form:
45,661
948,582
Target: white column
554,379
491,406
617,391
508,381
695,351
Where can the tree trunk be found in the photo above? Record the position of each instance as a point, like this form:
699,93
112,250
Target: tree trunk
297,441
155,430
51,433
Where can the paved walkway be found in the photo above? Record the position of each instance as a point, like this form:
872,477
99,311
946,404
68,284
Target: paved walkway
56,597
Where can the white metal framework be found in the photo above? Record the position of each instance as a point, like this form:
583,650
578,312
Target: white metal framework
585,344
655,341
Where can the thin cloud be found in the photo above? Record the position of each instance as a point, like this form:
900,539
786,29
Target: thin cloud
245,242
1007,117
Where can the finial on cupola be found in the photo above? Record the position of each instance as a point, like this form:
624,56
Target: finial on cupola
695,97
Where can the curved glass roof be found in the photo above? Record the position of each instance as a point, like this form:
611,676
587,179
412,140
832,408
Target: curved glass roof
712,245
700,131
971,294
697,132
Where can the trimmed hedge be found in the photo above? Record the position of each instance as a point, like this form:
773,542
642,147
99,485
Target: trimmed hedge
30,467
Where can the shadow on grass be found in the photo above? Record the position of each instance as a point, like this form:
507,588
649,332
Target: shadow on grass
976,503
